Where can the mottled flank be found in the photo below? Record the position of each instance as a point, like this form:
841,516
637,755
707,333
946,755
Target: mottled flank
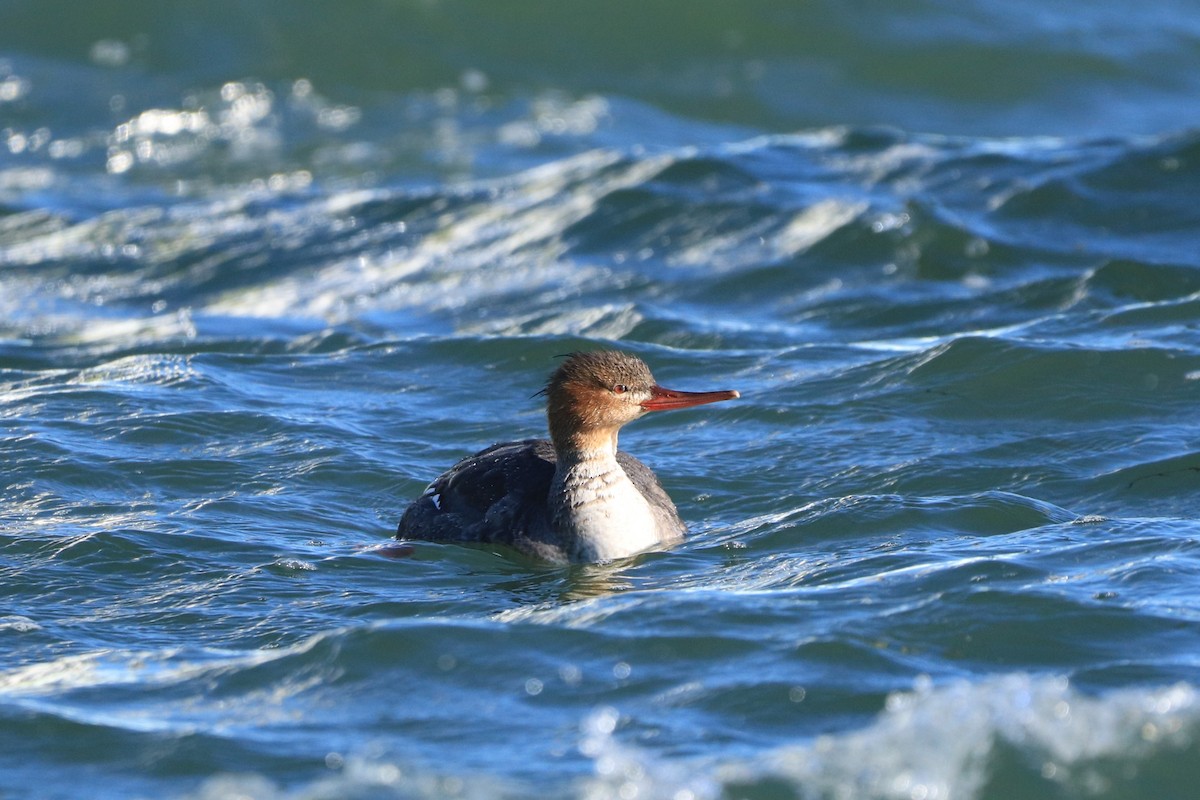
498,496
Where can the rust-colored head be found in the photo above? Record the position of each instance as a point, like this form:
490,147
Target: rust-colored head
591,395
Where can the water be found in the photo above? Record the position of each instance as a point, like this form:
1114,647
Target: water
266,268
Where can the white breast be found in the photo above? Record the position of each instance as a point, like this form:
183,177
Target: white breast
605,513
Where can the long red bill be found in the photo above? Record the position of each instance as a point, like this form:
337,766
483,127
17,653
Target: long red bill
665,399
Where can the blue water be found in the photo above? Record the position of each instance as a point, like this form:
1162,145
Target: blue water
267,268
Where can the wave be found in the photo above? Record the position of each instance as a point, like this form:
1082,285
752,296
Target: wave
889,231
963,740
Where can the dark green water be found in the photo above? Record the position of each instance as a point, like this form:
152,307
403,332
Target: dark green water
267,268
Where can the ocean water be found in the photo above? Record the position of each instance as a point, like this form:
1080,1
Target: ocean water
267,268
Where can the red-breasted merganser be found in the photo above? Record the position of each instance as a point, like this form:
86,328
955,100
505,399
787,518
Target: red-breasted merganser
575,497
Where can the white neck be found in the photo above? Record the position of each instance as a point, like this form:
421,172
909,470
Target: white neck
597,509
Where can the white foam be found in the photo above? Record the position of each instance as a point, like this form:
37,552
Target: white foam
934,742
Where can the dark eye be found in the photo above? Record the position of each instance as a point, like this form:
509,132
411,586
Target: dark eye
620,388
